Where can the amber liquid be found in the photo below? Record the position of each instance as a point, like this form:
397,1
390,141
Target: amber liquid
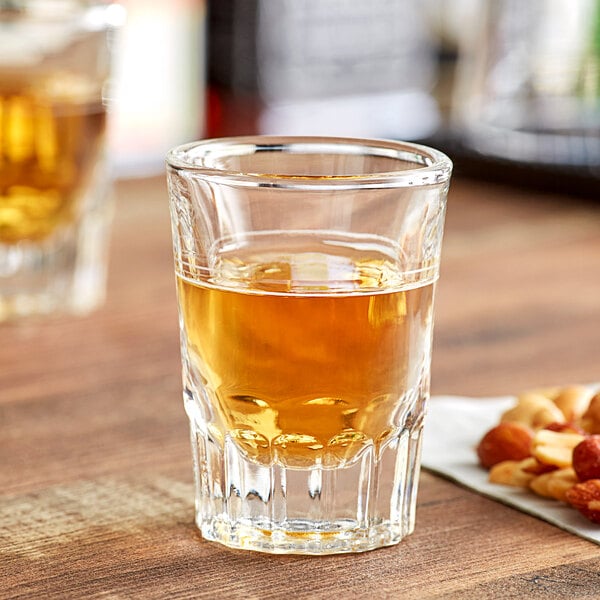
50,140
306,356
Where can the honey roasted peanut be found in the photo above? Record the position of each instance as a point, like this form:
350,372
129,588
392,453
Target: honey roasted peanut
573,401
585,497
554,484
555,447
535,411
586,458
590,420
560,482
510,472
506,441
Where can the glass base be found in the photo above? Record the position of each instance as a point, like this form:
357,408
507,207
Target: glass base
301,536
366,504
65,273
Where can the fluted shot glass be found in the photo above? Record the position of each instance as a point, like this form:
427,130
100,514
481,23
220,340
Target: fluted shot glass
305,272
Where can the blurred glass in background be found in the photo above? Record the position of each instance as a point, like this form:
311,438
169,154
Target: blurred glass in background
65,66
55,208
528,82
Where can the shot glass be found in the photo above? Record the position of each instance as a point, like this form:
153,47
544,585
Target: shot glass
54,182
305,272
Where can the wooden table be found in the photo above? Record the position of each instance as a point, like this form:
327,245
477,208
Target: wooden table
95,472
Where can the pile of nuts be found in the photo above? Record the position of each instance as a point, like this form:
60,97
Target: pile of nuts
549,442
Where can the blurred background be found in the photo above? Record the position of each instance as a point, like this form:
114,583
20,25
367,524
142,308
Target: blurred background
510,89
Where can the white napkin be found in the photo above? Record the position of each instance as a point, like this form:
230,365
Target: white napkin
453,428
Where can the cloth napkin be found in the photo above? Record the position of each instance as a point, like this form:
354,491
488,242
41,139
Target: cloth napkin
453,428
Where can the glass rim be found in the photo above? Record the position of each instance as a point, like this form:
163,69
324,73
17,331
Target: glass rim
432,167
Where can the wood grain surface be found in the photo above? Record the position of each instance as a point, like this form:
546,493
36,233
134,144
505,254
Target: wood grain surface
96,496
